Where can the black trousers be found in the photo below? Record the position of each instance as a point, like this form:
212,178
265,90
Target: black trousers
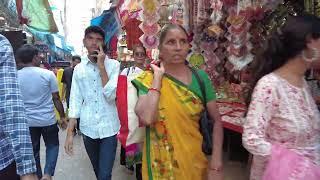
9,172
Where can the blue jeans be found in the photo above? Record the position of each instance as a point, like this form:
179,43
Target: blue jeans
51,140
101,153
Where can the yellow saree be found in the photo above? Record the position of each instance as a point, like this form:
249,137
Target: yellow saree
60,86
172,150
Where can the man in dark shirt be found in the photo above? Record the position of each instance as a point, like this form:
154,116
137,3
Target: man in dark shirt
67,80
67,77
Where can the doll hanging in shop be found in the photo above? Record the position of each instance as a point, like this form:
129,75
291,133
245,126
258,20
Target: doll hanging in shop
196,59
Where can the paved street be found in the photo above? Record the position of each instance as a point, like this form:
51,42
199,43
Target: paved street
78,166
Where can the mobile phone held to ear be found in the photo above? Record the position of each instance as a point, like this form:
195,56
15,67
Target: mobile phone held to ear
95,59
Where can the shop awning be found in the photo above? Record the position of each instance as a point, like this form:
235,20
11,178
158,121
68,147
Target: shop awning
109,22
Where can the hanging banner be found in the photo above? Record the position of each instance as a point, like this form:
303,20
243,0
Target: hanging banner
109,22
36,14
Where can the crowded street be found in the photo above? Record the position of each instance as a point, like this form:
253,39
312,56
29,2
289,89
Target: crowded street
78,167
160,90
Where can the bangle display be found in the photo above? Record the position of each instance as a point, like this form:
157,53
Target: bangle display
154,89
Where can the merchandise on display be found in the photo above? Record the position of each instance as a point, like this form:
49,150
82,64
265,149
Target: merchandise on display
225,36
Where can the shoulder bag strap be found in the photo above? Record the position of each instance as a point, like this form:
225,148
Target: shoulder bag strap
201,83
128,71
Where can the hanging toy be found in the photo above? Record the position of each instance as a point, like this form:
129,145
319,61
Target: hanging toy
149,30
149,25
149,42
217,14
150,6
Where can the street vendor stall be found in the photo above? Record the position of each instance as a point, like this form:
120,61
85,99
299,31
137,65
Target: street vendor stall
225,36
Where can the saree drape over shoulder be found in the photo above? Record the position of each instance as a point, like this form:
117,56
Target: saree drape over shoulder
172,150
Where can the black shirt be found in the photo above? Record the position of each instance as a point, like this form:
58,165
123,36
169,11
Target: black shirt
67,79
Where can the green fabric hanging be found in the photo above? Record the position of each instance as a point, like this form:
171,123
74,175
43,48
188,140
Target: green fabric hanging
39,14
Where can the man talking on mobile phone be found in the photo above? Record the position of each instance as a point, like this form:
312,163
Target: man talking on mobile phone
92,99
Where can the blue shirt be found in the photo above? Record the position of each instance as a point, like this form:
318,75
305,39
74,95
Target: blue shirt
15,141
91,102
37,86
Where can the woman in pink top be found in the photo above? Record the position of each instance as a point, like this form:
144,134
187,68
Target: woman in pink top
282,109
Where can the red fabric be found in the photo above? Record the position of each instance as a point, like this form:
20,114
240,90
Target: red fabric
133,32
122,107
232,127
113,47
124,15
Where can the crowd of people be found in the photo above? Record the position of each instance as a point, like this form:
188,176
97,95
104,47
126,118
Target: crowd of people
171,101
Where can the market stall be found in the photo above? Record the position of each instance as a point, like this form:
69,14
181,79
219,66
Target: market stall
225,36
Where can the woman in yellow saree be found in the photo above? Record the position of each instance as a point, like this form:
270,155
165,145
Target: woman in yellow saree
170,103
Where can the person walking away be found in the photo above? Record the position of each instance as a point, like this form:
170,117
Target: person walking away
40,95
92,99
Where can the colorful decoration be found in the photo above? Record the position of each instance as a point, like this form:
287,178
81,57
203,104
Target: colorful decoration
202,12
197,60
150,6
226,33
149,29
150,18
133,33
149,26
217,14
150,42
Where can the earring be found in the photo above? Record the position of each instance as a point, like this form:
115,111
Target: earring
315,55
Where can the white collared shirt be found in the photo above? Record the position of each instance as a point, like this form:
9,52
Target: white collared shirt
91,102
131,71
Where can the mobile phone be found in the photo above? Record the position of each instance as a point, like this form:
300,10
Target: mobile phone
95,59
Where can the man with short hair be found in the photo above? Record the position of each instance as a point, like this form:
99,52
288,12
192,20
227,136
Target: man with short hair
92,99
67,81
40,94
16,155
67,77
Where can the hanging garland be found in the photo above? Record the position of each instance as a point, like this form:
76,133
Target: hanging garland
149,25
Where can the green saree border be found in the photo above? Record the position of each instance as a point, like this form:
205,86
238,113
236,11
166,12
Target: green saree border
139,85
183,84
149,166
